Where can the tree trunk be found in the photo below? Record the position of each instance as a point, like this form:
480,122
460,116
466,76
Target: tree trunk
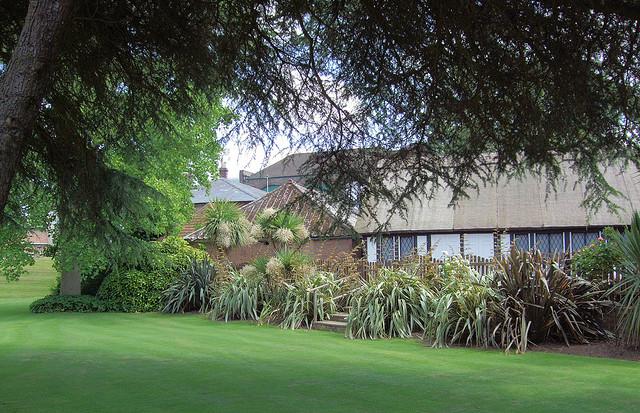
24,82
71,282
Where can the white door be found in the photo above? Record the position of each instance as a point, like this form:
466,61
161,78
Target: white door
445,244
480,245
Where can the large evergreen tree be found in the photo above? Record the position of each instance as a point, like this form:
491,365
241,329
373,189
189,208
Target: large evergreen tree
451,92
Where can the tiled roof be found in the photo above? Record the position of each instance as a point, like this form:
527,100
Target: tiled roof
37,237
227,190
318,216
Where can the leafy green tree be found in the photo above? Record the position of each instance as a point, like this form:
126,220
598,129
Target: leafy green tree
447,93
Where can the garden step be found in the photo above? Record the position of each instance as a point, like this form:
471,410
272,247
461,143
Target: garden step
339,316
328,325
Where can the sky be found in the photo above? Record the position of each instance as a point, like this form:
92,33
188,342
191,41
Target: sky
237,157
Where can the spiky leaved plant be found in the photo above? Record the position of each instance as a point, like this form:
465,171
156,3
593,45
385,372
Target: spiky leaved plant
462,306
628,244
280,228
240,297
392,303
309,298
192,290
226,225
540,302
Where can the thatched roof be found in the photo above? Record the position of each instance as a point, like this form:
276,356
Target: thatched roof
516,204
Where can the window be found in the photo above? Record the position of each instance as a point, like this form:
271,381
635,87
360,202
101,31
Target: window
550,243
580,240
521,241
407,245
480,245
387,248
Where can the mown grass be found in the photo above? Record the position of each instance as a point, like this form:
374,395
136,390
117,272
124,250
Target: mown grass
36,283
155,362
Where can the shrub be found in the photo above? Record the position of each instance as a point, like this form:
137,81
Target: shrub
134,290
192,290
392,303
597,261
287,265
71,303
540,302
241,297
628,245
461,308
140,289
308,299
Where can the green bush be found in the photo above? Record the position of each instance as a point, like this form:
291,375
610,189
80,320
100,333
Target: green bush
461,308
393,303
141,289
597,261
308,299
628,287
192,290
134,290
71,303
242,297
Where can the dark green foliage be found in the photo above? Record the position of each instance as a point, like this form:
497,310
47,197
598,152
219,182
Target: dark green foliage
597,261
72,303
628,245
134,290
138,290
393,303
539,302
192,290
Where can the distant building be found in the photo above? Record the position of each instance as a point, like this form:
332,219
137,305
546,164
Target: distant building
39,240
278,173
220,189
329,236
489,221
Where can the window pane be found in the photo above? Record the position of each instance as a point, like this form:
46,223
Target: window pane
556,243
578,241
542,243
387,247
407,246
522,241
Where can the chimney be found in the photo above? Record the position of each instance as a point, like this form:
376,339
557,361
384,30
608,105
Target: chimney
223,170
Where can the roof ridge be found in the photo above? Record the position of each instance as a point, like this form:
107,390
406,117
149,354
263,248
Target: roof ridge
232,183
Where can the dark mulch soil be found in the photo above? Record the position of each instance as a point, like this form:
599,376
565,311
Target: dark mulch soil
599,349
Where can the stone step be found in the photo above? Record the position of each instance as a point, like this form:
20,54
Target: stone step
328,325
339,316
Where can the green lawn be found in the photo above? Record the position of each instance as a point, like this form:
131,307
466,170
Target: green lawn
155,362
37,283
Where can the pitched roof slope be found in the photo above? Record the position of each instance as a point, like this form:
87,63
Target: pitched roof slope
227,190
318,216
514,204
287,167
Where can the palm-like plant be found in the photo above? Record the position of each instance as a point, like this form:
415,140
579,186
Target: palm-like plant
281,228
226,225
192,290
628,245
